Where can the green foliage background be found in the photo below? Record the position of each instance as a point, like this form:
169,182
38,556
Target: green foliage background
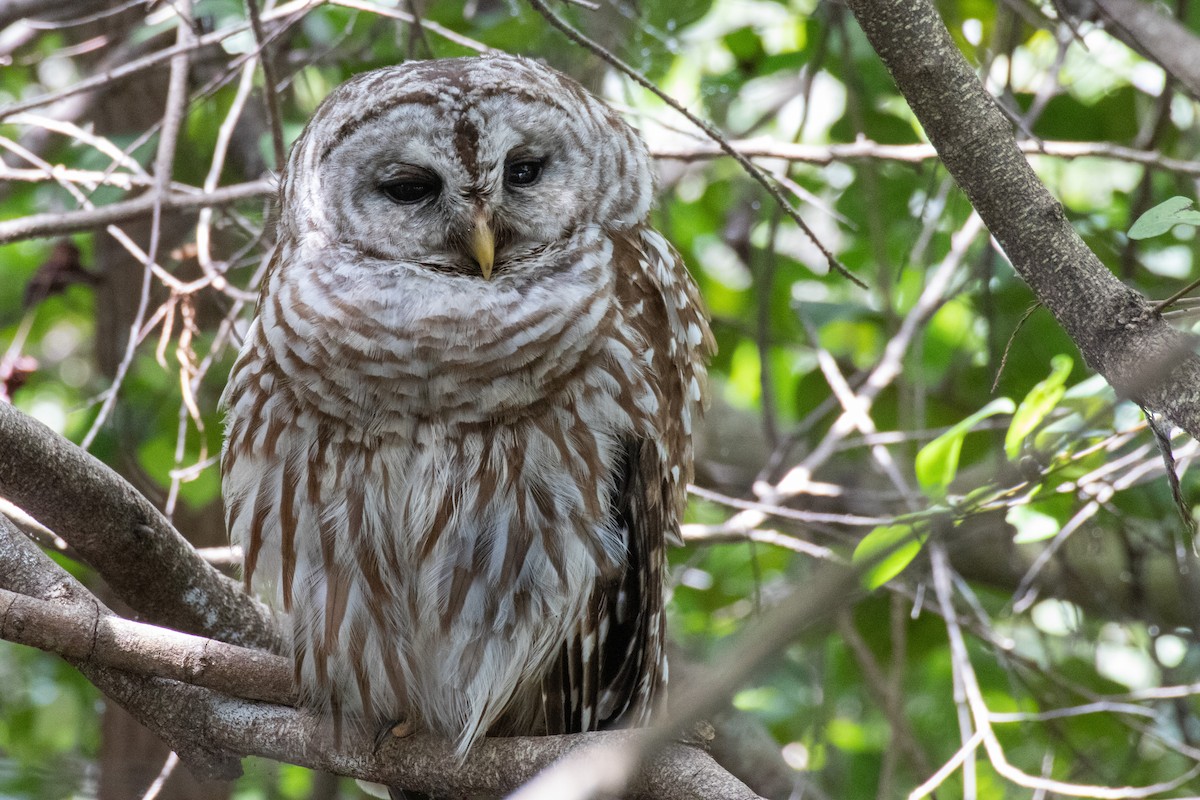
789,71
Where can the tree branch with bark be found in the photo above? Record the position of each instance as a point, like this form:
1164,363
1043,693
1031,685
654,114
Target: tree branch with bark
1116,329
828,461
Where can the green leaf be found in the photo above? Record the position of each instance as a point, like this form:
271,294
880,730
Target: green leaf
1040,401
888,549
1031,525
1163,217
937,462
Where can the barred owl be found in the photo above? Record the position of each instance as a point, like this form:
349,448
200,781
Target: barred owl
458,432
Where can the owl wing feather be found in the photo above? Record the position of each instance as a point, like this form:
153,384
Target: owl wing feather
608,674
613,672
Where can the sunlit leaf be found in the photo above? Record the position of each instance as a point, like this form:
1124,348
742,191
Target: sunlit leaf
937,462
888,549
1163,217
1031,525
1040,401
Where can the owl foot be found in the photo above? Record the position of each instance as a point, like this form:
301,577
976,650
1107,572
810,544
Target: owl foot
398,729
404,727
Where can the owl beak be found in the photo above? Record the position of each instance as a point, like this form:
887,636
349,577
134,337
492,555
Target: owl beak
483,245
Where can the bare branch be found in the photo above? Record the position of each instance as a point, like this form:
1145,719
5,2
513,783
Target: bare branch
25,569
1148,30
753,170
205,727
152,60
494,767
164,163
433,27
976,707
84,632
57,224
125,538
270,84
913,153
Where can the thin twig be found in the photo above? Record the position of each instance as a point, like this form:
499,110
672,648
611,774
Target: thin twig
163,776
270,84
220,149
882,375
1162,305
164,162
822,155
150,61
429,25
981,716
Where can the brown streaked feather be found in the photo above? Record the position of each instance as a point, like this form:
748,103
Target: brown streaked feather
258,519
462,489
624,683
289,480
604,689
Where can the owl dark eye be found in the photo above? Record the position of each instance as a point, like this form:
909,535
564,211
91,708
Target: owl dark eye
524,172
411,188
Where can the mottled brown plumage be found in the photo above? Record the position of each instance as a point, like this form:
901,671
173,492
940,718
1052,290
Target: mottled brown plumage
459,430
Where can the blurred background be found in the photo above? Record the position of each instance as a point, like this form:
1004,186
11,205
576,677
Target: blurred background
972,416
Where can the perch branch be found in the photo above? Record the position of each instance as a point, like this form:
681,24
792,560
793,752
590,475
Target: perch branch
41,605
123,536
86,633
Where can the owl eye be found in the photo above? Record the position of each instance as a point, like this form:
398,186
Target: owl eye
524,172
411,188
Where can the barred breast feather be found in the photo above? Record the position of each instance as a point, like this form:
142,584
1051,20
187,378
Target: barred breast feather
458,485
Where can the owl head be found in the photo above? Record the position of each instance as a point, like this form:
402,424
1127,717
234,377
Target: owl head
468,166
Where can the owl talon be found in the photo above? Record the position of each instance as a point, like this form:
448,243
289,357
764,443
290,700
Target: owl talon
398,729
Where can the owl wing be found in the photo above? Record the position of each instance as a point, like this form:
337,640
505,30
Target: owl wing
613,672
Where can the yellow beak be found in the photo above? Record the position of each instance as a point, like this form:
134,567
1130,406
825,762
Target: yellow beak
483,245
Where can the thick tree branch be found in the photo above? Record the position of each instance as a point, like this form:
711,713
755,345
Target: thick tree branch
1134,349
86,633
493,768
26,570
125,538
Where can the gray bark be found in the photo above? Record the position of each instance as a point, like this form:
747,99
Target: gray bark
1115,328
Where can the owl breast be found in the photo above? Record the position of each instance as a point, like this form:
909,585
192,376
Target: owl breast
453,348
434,524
